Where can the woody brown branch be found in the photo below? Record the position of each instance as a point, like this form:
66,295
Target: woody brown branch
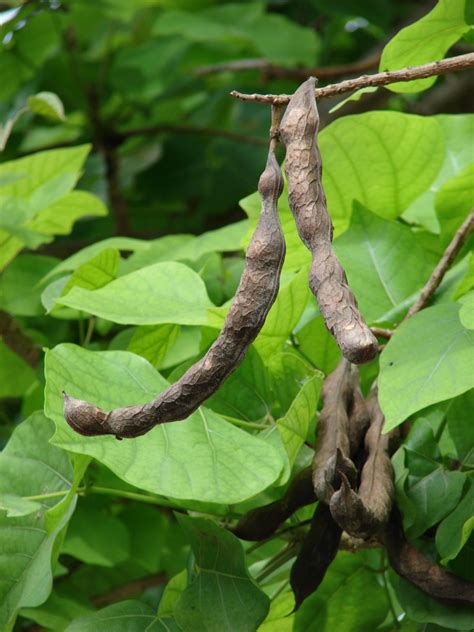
432,69
17,341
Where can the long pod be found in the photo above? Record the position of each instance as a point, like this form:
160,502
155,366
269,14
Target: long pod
332,453
318,551
327,279
254,297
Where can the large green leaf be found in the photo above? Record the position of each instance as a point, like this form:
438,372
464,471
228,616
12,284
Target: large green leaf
294,426
316,344
453,201
188,248
222,596
30,466
379,159
284,315
161,293
336,604
426,40
461,428
385,263
422,609
96,537
427,360
434,496
202,458
124,616
456,131
454,531
154,342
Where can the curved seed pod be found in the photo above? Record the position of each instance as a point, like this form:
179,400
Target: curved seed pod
318,551
327,278
363,514
254,297
332,453
408,562
261,523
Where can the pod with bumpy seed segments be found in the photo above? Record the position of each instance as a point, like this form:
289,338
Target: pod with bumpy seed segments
327,279
332,453
255,295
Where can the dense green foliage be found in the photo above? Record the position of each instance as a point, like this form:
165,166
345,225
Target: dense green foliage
111,126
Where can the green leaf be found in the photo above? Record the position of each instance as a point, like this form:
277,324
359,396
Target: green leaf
95,537
59,218
95,273
15,375
467,282
453,201
461,427
16,506
47,104
246,393
154,342
294,426
222,595
455,530
280,617
173,590
284,315
336,604
384,262
127,244
426,40
422,609
466,313
30,466
202,458
316,344
456,132
434,496
161,293
124,616
427,360
57,612
395,145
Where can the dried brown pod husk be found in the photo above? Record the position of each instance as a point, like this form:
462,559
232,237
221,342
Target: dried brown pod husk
359,417
261,523
365,512
255,295
317,552
327,279
332,452
408,562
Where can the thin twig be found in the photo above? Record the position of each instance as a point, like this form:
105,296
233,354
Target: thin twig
446,260
451,64
188,129
126,591
271,70
381,332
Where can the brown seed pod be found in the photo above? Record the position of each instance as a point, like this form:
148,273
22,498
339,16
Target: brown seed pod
332,453
327,279
413,566
254,297
362,514
318,551
261,523
359,417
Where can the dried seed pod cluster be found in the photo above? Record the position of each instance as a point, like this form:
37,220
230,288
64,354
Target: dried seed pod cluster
327,278
255,295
